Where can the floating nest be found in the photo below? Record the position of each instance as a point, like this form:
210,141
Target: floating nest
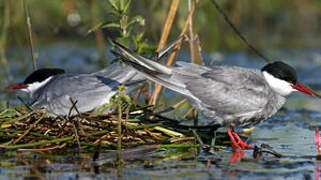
27,129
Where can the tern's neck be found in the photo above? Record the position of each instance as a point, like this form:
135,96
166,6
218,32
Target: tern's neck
34,87
281,87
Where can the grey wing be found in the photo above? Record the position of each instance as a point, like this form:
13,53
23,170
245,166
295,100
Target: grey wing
191,68
121,73
230,95
89,90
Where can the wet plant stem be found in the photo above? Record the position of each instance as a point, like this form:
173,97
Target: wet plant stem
119,128
16,132
28,21
171,146
39,143
16,119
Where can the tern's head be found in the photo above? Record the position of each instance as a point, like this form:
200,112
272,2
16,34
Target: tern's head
36,80
282,79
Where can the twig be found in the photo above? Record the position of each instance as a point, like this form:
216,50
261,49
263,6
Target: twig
168,24
138,94
73,106
195,49
46,149
76,134
174,53
227,19
162,42
168,132
29,129
276,154
34,61
173,107
74,124
16,119
31,133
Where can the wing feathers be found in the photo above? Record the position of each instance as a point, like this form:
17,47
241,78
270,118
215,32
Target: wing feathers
154,66
156,76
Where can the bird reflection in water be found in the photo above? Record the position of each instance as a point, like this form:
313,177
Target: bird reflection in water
237,155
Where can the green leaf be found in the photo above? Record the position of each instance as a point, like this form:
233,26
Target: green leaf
137,19
139,36
125,98
103,25
125,41
111,25
113,3
126,5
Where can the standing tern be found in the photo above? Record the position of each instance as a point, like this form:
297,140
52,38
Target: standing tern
230,95
52,89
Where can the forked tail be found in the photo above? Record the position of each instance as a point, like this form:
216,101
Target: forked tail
153,71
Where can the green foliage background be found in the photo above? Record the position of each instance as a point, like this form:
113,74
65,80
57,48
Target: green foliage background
266,23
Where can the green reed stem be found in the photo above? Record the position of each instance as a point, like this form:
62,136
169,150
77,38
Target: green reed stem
119,126
28,21
39,143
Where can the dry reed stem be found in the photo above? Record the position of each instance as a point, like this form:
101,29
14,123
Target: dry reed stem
194,43
174,53
74,103
168,24
165,33
138,94
162,42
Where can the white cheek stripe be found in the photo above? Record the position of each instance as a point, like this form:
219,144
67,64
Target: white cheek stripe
36,85
282,87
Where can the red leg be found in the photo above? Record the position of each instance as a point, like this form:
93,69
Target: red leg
241,142
233,135
235,144
317,140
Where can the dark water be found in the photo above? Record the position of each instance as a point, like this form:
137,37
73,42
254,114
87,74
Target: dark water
290,132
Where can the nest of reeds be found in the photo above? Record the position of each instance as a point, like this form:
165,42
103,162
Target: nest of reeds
32,130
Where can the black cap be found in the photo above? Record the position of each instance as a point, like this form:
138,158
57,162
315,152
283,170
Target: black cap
42,74
282,71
